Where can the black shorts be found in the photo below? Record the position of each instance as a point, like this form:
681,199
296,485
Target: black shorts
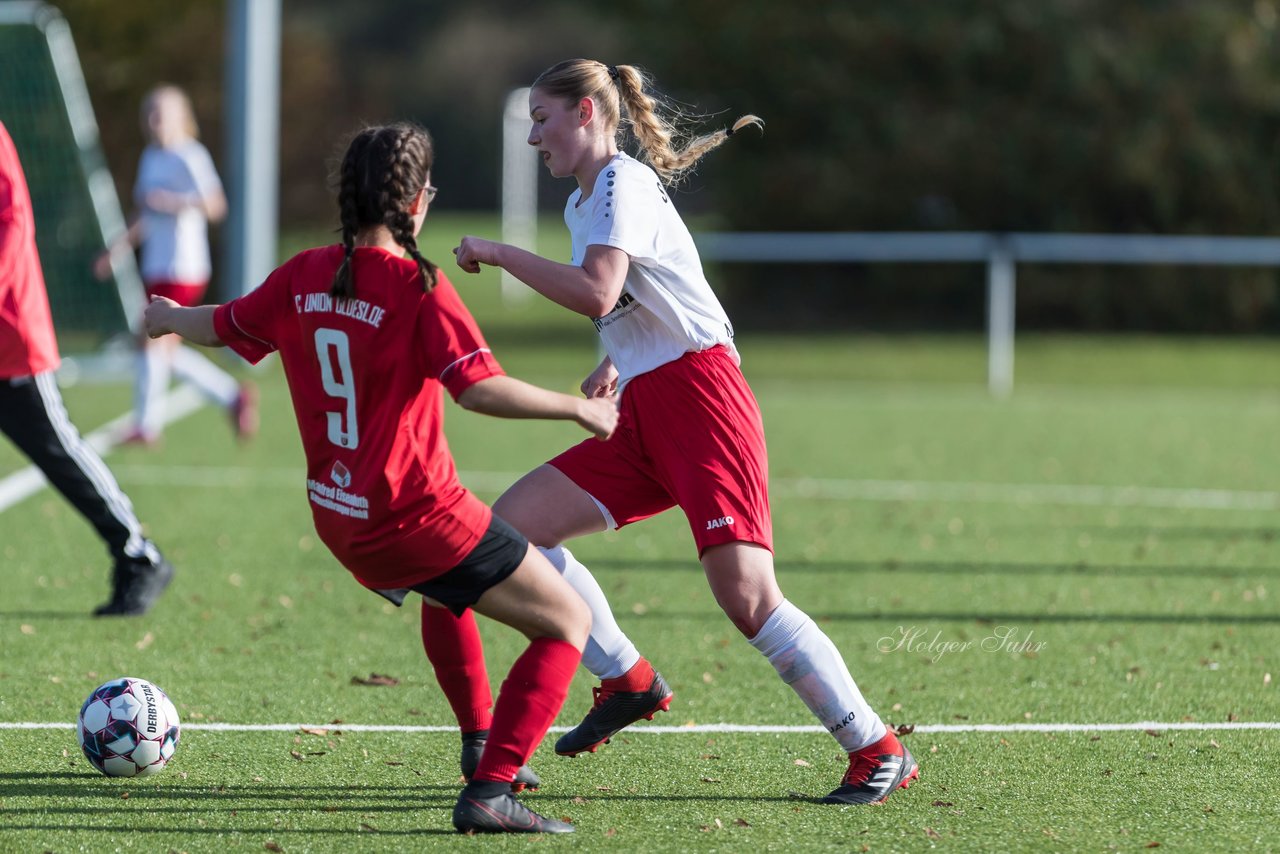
496,556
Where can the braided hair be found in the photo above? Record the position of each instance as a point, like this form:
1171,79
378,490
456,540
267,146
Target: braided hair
383,170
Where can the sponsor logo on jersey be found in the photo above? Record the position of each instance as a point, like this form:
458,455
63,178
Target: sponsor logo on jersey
722,522
341,475
624,306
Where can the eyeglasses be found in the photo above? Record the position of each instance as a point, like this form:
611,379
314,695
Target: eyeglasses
431,192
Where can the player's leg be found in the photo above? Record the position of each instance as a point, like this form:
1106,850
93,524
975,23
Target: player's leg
549,508
453,646
35,418
742,580
239,399
150,383
537,602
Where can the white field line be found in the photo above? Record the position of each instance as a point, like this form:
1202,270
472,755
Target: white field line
28,481
1138,726
818,489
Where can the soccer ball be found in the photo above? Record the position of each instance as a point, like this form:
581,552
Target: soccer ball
128,728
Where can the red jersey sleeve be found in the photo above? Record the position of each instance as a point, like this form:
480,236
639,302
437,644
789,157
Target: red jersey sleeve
248,324
455,350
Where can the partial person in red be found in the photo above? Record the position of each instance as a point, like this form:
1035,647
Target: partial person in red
176,195
690,432
33,416
370,333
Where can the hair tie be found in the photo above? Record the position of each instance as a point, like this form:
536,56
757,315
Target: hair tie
728,132
613,72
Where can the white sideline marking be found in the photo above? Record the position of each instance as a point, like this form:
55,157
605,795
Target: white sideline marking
1139,726
821,489
28,481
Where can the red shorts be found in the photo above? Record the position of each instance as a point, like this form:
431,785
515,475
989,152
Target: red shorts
185,294
689,434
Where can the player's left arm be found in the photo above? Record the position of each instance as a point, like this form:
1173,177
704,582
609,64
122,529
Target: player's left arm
164,316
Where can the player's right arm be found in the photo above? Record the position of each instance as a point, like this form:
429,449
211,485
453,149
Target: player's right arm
164,316
508,397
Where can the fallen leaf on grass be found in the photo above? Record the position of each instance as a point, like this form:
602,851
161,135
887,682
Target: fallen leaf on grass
802,763
709,780
296,755
942,804
368,828
145,642
741,822
931,833
904,729
314,730
375,679
578,799
124,796
273,846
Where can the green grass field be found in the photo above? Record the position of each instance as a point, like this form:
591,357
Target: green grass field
1115,521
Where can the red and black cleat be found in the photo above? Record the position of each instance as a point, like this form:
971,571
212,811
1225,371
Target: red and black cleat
876,772
614,710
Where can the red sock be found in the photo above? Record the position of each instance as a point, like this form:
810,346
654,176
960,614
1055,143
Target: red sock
454,649
528,702
638,678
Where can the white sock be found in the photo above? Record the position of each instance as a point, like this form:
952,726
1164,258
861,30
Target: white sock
195,368
809,662
609,653
149,386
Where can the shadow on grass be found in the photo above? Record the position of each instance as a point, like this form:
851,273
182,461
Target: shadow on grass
848,567
273,831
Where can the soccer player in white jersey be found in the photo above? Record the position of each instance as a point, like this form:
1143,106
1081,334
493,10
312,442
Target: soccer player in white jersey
177,194
690,432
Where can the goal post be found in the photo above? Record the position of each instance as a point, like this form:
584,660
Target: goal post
519,187
44,103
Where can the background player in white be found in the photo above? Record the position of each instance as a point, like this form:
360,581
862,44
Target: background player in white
177,194
690,432
370,334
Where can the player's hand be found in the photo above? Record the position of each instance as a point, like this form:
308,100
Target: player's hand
156,317
599,415
603,381
102,266
471,252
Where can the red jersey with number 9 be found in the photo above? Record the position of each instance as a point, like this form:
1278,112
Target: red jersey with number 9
366,376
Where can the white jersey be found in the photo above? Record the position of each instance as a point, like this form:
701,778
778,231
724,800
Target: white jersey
175,247
666,308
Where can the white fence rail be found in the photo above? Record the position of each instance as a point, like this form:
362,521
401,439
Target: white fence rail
1001,254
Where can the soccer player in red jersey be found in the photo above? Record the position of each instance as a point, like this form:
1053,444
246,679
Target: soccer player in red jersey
690,432
32,413
370,334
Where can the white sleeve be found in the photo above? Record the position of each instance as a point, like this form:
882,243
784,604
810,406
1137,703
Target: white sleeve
202,170
624,211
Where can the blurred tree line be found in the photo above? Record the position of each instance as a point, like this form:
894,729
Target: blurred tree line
1161,117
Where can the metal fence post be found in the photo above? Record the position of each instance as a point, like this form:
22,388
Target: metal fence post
1000,318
